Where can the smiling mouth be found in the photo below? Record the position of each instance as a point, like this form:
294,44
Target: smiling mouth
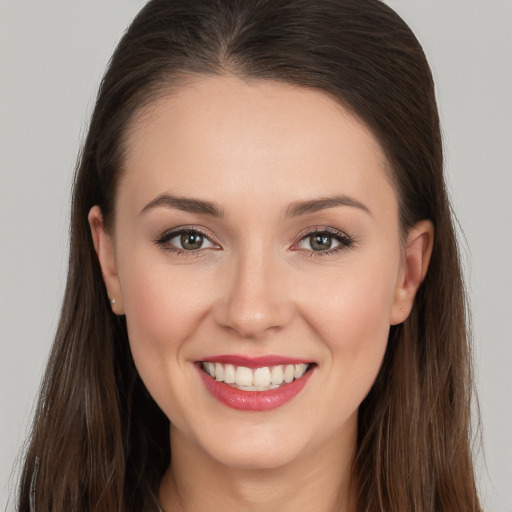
263,378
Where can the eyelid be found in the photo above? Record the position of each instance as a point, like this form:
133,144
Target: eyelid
163,240
345,241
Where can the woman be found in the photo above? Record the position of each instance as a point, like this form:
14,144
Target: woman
264,304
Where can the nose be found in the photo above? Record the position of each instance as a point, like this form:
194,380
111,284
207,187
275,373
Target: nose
255,300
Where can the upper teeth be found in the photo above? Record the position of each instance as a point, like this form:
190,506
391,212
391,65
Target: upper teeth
255,379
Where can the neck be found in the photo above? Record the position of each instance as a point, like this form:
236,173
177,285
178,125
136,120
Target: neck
321,480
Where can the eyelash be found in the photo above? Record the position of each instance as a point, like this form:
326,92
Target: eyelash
345,241
165,238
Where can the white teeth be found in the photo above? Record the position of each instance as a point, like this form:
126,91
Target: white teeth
229,374
255,379
219,372
277,375
300,370
289,373
243,376
261,377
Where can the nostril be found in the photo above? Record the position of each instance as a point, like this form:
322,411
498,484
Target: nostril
249,321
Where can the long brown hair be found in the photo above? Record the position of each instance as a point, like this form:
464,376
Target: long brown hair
99,442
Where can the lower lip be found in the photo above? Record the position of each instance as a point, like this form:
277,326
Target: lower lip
254,400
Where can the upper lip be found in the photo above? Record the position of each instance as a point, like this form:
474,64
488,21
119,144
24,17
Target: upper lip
254,362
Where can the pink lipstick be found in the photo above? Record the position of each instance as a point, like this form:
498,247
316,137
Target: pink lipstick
254,384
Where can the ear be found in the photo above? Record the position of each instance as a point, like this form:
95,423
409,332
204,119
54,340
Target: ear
418,250
104,247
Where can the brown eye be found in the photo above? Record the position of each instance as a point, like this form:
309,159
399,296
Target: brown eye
327,241
185,240
320,242
191,240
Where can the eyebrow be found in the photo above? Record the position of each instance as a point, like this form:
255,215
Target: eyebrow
186,204
306,207
296,209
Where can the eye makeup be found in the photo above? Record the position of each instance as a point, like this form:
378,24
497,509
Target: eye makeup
323,241
318,241
187,241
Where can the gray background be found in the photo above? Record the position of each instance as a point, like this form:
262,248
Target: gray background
52,55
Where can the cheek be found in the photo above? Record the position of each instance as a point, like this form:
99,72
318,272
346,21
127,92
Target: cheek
158,303
353,325
162,300
356,305
163,308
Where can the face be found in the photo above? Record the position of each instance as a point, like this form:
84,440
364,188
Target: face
256,236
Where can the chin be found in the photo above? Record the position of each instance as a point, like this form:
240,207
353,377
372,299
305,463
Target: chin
255,459
266,447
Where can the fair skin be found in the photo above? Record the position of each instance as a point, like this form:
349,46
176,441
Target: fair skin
258,283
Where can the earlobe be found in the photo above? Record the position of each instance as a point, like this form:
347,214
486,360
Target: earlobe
420,241
104,247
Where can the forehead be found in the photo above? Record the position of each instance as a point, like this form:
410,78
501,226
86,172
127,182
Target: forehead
261,136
